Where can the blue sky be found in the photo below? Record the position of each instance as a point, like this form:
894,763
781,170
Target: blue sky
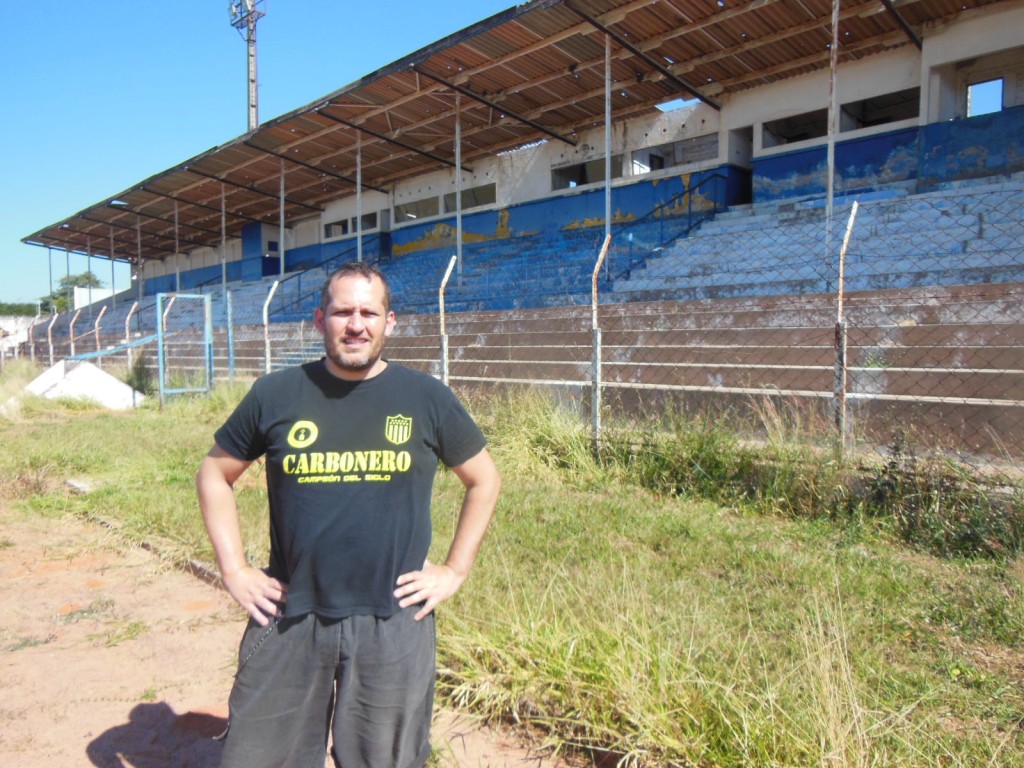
98,96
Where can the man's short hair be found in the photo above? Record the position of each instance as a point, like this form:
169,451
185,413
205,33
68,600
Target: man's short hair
357,269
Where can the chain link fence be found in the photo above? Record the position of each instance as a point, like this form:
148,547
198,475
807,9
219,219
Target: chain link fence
896,317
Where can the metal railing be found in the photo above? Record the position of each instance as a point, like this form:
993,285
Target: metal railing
916,334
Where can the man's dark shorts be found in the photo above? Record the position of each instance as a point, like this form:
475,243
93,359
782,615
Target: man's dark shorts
366,681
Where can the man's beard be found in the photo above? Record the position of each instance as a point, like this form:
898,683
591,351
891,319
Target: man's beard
335,351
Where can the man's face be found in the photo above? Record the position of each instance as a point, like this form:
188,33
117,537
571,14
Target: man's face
354,324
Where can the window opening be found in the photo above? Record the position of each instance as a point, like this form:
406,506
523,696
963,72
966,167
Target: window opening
809,125
985,97
697,149
335,229
879,110
369,221
417,209
589,172
475,197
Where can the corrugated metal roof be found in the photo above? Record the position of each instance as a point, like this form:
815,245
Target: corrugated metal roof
534,71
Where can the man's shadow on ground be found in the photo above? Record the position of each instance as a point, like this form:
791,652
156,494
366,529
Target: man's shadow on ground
156,736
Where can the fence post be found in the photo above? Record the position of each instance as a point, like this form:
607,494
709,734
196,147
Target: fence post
595,397
71,331
444,333
162,318
839,383
161,333
266,324
208,338
229,313
32,341
127,333
96,334
49,336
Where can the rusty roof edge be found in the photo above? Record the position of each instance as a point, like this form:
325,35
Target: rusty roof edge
401,65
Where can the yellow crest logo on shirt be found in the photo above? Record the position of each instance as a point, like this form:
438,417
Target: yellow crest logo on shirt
398,429
302,434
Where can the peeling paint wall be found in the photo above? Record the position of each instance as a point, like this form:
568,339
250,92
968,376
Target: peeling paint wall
578,211
971,148
935,145
976,147
861,165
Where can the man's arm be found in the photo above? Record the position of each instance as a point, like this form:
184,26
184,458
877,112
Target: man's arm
250,587
434,583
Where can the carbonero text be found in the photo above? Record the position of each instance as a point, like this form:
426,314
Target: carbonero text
328,462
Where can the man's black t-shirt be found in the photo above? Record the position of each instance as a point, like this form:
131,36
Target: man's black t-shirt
350,469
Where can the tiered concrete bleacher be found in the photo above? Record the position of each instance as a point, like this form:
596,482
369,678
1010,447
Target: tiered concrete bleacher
527,271
952,347
531,271
973,234
967,233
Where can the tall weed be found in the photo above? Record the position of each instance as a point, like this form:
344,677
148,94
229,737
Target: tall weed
618,612
945,507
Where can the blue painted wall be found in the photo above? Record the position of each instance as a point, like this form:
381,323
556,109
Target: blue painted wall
309,256
862,164
252,251
295,260
979,146
193,278
934,154
581,211
196,278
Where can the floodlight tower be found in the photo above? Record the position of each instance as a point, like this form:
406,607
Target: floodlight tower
244,14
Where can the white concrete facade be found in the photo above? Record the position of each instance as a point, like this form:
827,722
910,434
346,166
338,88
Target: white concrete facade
985,44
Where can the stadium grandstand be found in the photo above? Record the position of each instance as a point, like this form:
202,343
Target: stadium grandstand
660,200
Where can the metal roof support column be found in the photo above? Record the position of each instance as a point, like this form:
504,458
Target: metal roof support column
140,264
830,162
319,239
113,287
177,261
458,183
88,273
607,135
280,226
359,196
67,275
223,240
49,263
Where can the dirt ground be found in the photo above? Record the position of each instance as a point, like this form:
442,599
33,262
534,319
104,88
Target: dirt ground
110,657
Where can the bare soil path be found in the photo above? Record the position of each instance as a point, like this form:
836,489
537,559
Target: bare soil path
110,657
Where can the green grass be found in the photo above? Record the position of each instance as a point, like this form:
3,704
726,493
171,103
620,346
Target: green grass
691,599
929,501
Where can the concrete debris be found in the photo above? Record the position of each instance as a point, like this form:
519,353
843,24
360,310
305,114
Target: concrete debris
81,380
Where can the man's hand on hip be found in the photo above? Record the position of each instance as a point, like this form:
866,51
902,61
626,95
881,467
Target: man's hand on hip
260,595
430,585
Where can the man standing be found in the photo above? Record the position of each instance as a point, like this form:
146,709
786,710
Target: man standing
341,637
